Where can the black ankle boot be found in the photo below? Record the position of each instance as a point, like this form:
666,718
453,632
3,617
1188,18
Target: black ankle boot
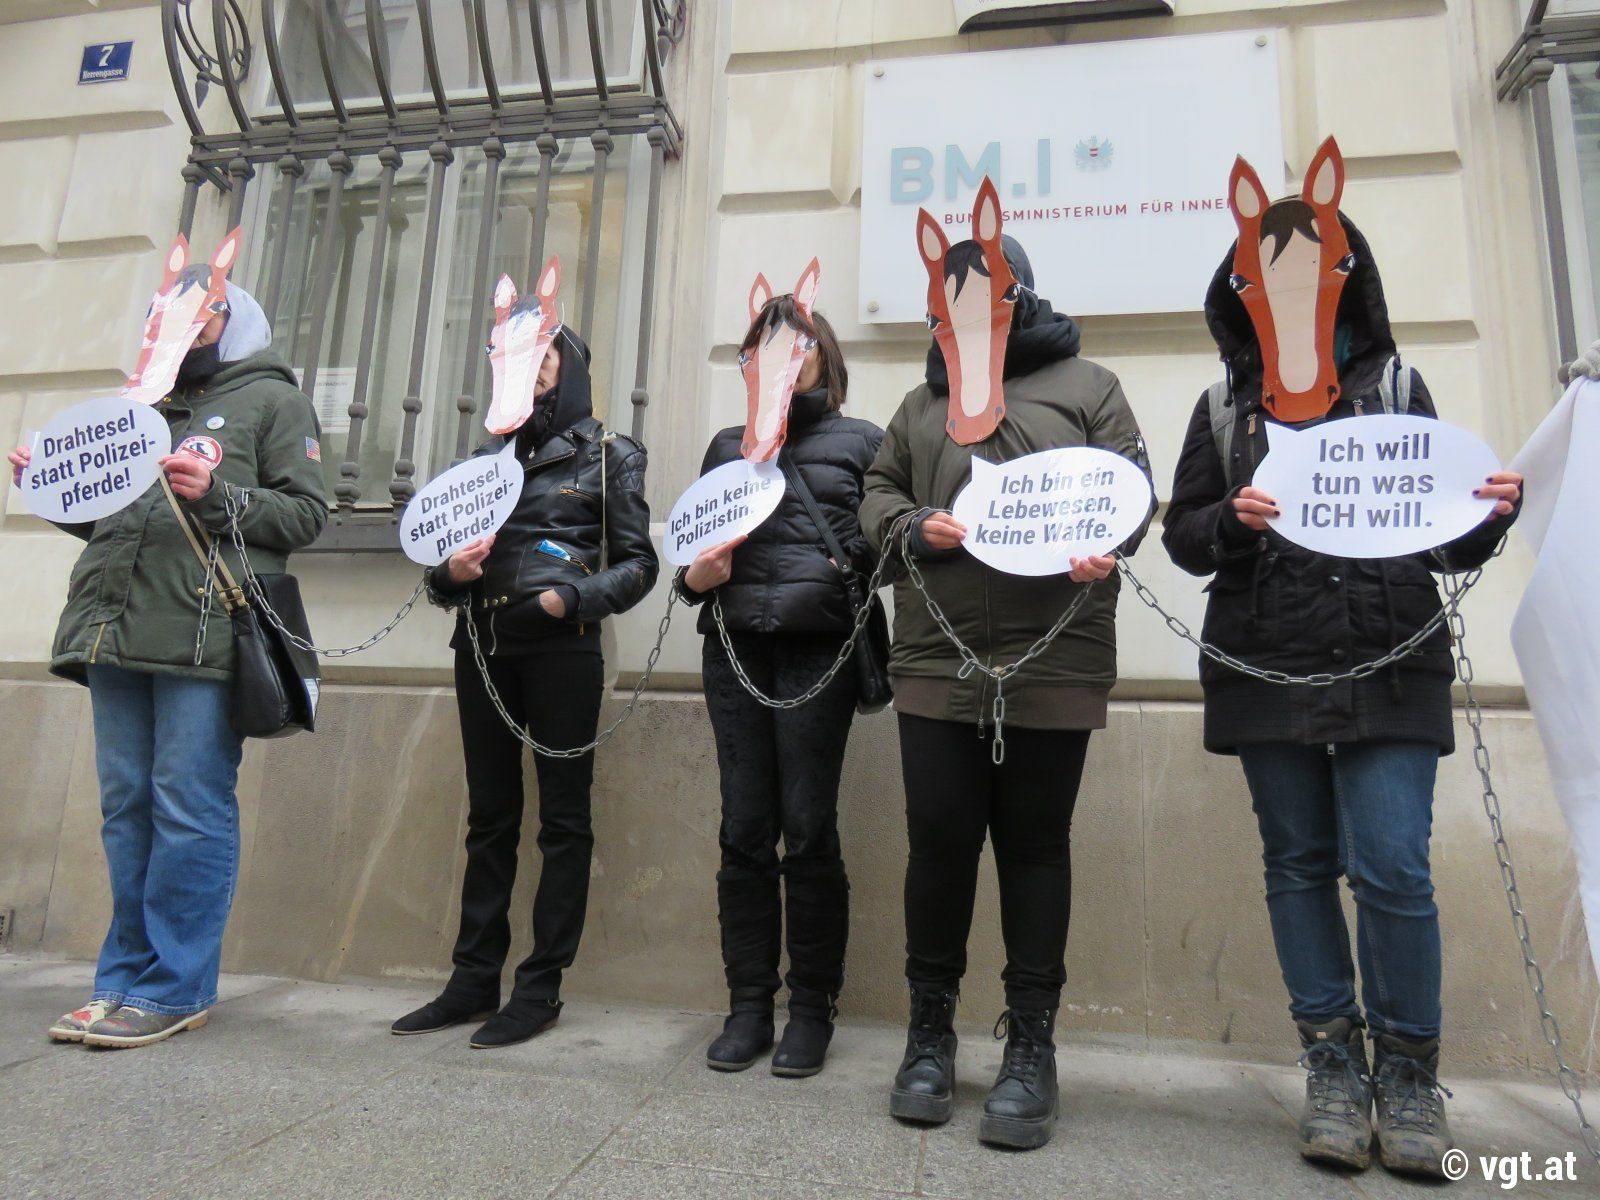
804,1046
924,1087
442,1013
746,1036
516,1022
1336,1123
1021,1109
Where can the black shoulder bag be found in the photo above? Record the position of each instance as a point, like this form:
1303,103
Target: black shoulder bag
873,688
275,682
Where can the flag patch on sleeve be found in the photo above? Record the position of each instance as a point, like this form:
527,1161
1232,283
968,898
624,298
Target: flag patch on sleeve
313,449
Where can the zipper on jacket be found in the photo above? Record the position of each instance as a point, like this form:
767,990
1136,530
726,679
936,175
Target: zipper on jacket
95,649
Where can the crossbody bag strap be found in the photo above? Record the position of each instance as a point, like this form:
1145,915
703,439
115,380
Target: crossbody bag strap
233,599
824,527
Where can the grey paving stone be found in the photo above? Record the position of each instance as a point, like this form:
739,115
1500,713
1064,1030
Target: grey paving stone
430,1132
859,1148
617,1179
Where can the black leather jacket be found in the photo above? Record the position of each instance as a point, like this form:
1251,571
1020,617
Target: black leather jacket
553,537
782,580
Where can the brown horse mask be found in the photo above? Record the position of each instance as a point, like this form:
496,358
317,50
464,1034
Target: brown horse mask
188,297
771,365
1289,270
969,310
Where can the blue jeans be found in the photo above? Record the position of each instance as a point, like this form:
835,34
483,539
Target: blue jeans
168,761
1363,810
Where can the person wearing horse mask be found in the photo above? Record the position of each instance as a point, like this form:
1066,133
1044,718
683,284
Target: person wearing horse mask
151,638
1341,777
575,550
785,603
1004,379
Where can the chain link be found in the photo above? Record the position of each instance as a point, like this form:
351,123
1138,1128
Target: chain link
258,597
861,617
1446,613
606,734
1551,1029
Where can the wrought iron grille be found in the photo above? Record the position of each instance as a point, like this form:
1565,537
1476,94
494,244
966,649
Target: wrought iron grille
344,130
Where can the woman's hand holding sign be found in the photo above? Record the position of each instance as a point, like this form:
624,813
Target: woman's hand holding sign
19,460
942,531
1505,487
189,475
1092,569
712,567
1255,508
466,564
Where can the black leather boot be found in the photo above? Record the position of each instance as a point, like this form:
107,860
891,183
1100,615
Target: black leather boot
1413,1132
442,1013
817,926
516,1022
804,1045
746,1034
1336,1125
924,1087
1021,1109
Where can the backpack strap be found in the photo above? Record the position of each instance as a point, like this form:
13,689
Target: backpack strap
1394,387
1218,400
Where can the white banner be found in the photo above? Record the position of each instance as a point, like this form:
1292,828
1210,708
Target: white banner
94,460
469,501
998,14
1375,487
723,503
1111,159
1035,514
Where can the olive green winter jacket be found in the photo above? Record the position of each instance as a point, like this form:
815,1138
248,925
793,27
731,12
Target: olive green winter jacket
134,599
1071,402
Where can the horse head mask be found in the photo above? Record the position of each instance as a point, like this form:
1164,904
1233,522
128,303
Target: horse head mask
1289,269
971,295
771,364
188,297
523,331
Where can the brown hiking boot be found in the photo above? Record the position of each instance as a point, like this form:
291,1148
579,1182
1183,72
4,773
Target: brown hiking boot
1413,1132
1336,1125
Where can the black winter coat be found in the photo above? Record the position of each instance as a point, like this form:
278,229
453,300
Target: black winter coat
1276,605
552,539
782,580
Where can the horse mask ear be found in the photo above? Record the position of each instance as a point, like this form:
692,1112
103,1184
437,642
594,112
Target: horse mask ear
969,310
189,296
1290,252
773,354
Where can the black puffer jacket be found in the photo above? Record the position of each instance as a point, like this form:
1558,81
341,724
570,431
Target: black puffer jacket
1278,606
782,580
552,540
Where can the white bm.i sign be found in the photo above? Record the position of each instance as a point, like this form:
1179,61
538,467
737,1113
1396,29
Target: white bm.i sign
1112,162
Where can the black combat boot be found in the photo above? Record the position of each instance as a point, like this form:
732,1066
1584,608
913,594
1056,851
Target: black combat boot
1413,1133
1336,1125
924,1087
817,926
1021,1109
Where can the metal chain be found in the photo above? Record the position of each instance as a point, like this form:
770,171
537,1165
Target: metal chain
606,734
845,651
1446,613
236,509
1565,1075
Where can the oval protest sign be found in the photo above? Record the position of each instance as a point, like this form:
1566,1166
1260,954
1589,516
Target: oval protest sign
1035,514
723,503
1375,487
469,501
94,460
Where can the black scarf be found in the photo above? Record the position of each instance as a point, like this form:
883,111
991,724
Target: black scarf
199,365
1039,337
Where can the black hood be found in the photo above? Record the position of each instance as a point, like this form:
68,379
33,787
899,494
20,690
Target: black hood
569,402
1039,334
1363,319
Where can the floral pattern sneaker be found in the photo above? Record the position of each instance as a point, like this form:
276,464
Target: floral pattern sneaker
130,1026
70,1027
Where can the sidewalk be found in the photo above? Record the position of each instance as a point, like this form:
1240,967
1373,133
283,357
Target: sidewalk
298,1090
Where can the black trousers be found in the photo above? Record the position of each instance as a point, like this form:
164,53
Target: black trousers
780,773
955,794
555,696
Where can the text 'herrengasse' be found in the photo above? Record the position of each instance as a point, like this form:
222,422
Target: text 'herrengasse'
1055,513
716,511
96,446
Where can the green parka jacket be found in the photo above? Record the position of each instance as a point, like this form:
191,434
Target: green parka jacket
134,599
1070,402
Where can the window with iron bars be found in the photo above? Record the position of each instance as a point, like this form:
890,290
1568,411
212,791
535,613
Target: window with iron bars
397,156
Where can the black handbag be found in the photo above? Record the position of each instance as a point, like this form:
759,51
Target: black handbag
276,684
874,690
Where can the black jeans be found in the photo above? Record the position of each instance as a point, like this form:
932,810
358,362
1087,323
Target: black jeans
780,773
556,697
955,794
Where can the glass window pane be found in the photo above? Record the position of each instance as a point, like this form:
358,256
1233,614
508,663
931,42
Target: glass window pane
1584,218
